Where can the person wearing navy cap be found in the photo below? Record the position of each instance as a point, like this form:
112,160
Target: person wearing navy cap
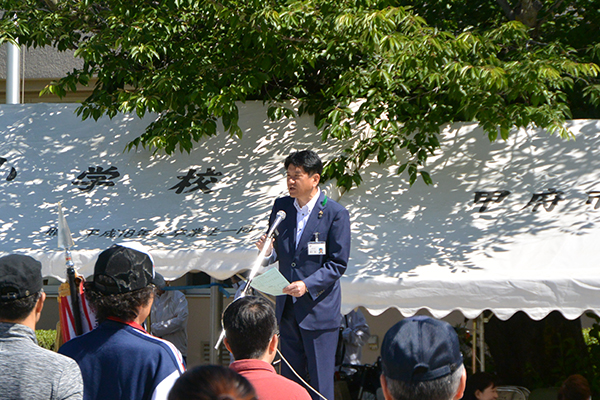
28,371
421,360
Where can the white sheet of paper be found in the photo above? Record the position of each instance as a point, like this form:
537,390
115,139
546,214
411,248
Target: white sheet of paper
271,282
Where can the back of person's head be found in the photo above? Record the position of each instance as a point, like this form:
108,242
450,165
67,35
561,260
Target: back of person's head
575,387
249,324
122,283
307,159
421,360
211,382
20,286
477,384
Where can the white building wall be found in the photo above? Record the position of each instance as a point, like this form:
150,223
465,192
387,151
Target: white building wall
42,63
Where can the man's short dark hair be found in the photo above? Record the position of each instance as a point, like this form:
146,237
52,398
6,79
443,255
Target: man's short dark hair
124,306
480,381
249,324
18,309
444,388
208,382
307,159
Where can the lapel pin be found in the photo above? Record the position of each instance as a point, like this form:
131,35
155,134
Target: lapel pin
321,214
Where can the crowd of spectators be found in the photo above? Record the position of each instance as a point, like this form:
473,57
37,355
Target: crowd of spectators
420,356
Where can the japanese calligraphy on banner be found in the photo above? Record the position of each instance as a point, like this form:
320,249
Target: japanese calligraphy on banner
499,214
194,211
513,217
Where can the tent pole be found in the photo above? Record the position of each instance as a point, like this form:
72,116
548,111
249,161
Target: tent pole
216,309
474,347
480,326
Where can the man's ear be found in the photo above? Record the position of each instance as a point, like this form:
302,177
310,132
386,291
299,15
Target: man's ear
226,343
273,343
462,385
316,177
384,388
39,306
40,302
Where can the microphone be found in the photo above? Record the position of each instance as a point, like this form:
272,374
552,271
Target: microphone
280,217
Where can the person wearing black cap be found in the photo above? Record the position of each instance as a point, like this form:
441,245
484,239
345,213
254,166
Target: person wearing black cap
421,360
28,371
118,359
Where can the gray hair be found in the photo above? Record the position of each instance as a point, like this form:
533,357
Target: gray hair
443,388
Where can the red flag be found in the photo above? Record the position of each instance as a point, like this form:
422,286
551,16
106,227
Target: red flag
67,319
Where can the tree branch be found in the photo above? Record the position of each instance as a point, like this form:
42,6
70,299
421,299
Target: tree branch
508,11
550,12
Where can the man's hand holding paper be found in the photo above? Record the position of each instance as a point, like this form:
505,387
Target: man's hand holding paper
271,282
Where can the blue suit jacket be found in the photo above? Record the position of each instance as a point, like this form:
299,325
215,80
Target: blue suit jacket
319,308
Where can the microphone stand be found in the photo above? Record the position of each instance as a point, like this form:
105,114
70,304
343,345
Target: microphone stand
253,271
255,267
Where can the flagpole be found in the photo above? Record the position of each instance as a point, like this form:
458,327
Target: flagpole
73,288
66,241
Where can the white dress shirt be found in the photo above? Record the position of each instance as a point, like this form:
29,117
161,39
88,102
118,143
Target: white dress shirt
303,213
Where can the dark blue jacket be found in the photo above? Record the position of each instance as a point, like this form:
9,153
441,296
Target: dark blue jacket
319,308
118,361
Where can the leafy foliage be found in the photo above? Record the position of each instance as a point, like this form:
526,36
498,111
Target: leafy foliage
349,63
540,354
591,366
46,338
573,24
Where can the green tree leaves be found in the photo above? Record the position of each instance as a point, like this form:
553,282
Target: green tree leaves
368,64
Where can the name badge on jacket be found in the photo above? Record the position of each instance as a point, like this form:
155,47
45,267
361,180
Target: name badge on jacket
316,248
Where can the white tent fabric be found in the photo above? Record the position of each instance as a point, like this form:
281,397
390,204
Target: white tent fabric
431,246
427,247
200,211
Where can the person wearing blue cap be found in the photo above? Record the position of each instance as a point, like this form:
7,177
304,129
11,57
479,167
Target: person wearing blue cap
421,360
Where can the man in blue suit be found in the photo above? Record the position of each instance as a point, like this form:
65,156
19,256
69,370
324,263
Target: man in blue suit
312,247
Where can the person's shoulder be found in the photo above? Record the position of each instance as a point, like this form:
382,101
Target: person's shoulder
279,383
144,339
56,360
334,204
72,346
334,207
284,201
150,348
291,389
268,384
152,345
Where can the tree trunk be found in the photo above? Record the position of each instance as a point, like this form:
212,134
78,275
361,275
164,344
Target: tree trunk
526,11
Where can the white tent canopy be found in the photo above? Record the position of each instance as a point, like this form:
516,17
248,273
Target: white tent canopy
432,247
427,247
201,211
